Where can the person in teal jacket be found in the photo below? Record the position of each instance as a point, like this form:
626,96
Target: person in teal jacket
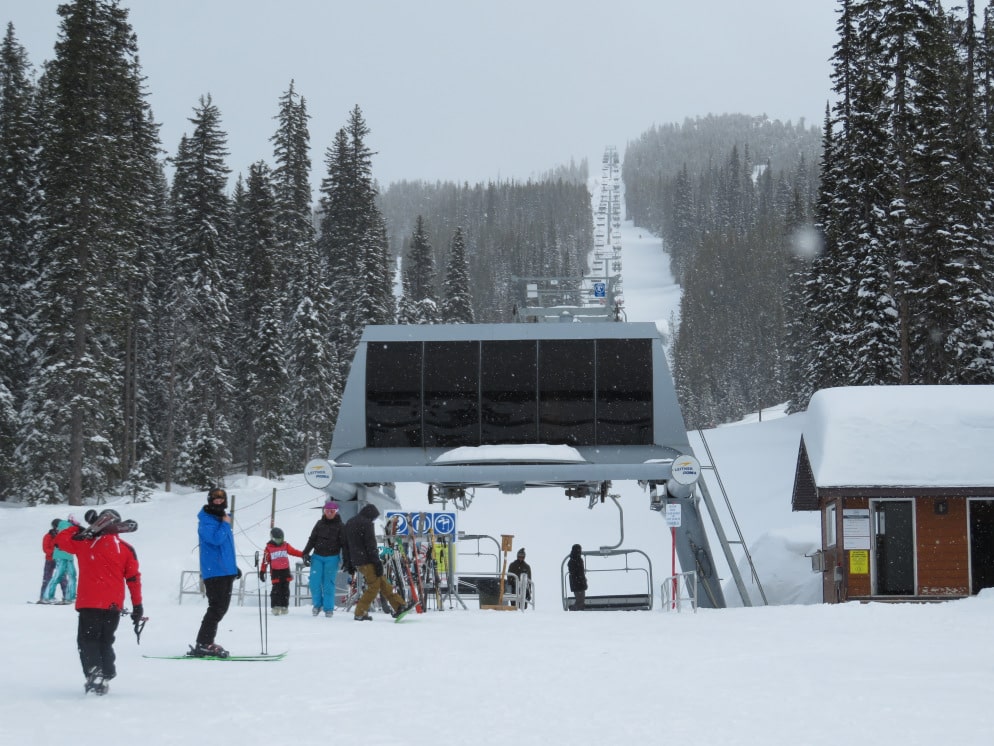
218,569
65,568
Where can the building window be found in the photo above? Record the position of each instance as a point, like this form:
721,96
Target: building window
830,518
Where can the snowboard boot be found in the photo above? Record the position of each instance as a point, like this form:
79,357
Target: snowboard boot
315,611
363,618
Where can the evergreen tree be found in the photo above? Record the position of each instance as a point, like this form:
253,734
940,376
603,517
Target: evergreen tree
200,378
457,306
292,191
311,368
96,143
352,242
271,403
19,207
419,304
260,293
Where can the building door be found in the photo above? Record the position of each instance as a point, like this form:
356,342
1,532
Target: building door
894,547
981,545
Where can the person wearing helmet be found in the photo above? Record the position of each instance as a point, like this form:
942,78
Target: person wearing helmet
277,558
218,570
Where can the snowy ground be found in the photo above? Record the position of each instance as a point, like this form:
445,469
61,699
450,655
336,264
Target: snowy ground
796,672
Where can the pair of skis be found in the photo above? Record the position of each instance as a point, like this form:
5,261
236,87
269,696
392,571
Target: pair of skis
233,658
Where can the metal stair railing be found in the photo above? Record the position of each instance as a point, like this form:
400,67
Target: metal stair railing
719,529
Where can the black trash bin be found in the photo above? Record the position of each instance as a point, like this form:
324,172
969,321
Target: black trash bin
489,590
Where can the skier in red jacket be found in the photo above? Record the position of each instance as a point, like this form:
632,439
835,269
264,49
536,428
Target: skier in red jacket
106,565
277,555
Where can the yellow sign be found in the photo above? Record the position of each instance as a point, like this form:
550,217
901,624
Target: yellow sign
859,562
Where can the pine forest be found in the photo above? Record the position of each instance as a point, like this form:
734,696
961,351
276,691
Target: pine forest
175,326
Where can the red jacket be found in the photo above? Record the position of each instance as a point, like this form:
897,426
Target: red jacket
278,555
48,544
106,565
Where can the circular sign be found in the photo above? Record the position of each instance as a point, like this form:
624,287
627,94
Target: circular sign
318,473
685,470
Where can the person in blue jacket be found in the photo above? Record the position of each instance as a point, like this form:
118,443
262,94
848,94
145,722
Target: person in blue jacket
218,569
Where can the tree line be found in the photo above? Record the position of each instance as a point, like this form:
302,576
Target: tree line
157,330
864,260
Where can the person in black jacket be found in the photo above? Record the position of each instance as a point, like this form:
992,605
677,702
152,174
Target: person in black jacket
577,577
519,571
326,542
362,554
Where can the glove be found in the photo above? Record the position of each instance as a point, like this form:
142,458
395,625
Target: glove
262,575
238,575
350,570
137,613
379,569
307,560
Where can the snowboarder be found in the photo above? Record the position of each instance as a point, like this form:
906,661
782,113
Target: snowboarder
326,542
106,565
48,547
277,556
520,571
65,569
577,577
361,554
218,569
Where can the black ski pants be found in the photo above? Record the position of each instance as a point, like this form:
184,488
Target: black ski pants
280,595
95,640
218,591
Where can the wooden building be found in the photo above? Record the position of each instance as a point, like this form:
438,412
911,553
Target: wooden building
903,477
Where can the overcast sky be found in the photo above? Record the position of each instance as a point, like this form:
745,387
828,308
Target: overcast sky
467,90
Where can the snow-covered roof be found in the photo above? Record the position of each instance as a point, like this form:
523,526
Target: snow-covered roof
901,436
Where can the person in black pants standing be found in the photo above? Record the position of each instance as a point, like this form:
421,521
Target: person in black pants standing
218,570
577,577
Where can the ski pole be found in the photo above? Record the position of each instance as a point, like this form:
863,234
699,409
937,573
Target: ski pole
139,626
259,595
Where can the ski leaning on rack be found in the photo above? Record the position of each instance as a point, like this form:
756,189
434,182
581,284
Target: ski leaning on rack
240,658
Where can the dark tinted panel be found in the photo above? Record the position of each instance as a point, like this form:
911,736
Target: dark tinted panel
624,391
508,396
566,392
393,394
451,398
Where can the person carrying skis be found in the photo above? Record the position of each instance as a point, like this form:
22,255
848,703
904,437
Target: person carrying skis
326,542
277,556
218,570
106,565
361,554
65,569
577,577
519,572
48,547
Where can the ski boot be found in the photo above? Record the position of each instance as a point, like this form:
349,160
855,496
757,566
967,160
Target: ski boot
96,683
209,650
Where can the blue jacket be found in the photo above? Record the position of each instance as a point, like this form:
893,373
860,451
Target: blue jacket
217,546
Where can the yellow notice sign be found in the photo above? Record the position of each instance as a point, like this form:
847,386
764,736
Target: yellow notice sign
859,562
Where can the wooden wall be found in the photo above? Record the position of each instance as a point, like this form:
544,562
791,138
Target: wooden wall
942,549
